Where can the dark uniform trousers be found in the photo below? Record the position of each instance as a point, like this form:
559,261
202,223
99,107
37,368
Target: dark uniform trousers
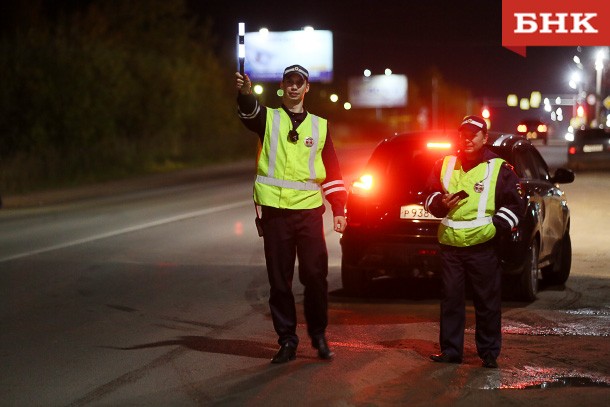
480,263
290,234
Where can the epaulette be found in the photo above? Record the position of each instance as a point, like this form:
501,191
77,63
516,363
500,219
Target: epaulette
508,166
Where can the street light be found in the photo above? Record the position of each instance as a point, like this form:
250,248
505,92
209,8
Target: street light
599,68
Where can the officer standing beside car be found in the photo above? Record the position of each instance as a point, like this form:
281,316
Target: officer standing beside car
297,167
479,197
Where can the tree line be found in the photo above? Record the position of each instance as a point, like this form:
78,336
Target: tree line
111,89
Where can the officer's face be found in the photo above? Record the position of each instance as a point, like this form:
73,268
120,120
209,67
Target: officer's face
472,142
295,87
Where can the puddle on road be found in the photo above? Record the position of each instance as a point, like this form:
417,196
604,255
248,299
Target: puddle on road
577,322
569,382
530,377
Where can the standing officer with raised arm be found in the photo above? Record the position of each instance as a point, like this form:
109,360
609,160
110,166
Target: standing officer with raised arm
297,168
479,196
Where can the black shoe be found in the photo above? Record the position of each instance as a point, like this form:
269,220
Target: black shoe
444,358
490,362
285,354
322,346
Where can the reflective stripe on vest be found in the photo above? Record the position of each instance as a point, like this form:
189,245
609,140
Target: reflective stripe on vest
470,222
465,224
284,183
275,131
289,173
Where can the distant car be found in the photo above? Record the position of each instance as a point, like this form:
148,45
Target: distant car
590,149
389,234
533,129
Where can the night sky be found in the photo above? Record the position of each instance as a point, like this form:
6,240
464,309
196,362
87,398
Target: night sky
460,38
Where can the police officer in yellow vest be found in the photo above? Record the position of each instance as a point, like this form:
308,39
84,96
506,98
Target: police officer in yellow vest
297,168
479,196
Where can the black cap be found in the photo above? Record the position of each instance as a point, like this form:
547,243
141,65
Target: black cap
474,124
296,69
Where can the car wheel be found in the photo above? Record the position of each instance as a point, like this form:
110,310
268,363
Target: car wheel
527,284
559,271
354,279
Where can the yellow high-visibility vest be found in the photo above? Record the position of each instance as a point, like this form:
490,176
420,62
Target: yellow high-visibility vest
289,174
469,223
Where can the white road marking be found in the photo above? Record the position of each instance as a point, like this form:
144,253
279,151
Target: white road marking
135,228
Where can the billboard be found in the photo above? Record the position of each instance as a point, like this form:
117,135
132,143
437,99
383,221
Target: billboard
268,53
378,91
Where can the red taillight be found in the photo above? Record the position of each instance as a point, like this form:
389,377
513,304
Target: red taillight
572,150
542,128
427,252
363,185
433,145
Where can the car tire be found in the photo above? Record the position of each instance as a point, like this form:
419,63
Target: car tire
558,272
527,283
354,279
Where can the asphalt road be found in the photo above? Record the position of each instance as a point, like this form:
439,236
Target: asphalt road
154,293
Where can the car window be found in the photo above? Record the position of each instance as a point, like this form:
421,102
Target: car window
540,165
524,163
405,164
587,135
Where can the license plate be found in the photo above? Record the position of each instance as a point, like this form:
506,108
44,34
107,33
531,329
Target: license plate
415,212
593,148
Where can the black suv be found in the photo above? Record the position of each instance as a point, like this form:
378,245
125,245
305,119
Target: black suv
590,149
390,234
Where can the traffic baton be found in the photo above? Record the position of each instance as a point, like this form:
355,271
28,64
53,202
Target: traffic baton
241,47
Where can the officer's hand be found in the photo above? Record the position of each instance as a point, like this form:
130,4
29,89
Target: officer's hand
243,83
339,223
450,200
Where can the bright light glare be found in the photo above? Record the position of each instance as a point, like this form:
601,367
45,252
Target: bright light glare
308,28
241,27
388,71
524,104
367,72
334,98
599,59
535,99
264,31
512,100
258,89
436,145
347,105
569,137
365,182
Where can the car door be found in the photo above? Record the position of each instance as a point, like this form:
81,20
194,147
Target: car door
526,168
552,218
545,200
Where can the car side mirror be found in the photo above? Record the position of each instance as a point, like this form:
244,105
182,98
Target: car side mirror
563,176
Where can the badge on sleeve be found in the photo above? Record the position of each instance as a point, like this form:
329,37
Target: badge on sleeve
520,190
